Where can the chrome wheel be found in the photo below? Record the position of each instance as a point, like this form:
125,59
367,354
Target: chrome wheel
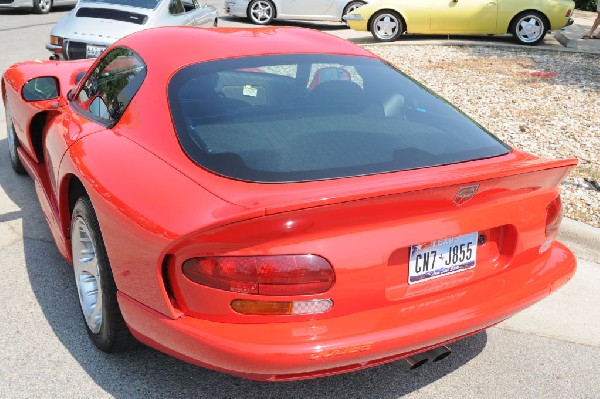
386,26
42,6
87,274
529,28
261,12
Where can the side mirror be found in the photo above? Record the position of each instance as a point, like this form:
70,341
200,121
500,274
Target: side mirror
40,89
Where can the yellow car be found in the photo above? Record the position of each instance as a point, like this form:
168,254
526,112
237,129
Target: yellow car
527,21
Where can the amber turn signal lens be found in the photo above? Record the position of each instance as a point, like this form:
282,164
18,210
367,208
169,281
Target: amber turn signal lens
56,40
262,308
271,308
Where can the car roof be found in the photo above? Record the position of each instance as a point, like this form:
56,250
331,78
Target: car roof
175,47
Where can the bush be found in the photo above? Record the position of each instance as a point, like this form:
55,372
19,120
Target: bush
586,5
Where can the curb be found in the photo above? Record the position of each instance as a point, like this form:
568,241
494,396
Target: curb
581,238
564,40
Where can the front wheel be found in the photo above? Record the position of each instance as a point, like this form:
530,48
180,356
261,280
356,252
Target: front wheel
13,141
42,6
261,12
387,26
96,287
529,28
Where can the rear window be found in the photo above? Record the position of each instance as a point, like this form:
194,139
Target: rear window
292,118
149,4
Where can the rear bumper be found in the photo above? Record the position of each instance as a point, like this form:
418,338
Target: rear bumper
569,22
298,350
236,8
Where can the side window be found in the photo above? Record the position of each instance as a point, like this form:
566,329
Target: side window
110,87
176,7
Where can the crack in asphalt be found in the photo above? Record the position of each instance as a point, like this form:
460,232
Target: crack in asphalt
25,27
552,337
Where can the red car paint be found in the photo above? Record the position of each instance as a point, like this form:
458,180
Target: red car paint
156,209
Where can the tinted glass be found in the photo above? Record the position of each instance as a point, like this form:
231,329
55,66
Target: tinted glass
38,89
110,87
311,117
150,4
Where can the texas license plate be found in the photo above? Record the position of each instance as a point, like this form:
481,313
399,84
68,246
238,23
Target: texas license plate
442,257
93,51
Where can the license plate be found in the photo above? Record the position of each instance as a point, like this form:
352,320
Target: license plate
93,51
442,257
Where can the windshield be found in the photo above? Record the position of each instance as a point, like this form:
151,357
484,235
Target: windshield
290,118
149,4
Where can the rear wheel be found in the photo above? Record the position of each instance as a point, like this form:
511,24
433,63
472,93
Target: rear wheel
13,141
261,12
96,287
529,28
387,26
42,6
352,6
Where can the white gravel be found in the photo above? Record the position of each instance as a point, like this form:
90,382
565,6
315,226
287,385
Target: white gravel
546,103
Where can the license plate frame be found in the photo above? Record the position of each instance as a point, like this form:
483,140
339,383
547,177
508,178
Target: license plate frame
93,51
442,257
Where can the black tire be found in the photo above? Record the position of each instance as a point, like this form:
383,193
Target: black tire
108,332
13,141
261,12
386,26
353,5
42,6
529,28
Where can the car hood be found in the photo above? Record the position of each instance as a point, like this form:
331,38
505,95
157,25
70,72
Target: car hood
104,25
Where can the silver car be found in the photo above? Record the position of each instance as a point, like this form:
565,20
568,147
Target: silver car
93,25
263,12
37,6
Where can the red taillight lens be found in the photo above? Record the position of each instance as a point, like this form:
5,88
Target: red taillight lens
553,217
262,275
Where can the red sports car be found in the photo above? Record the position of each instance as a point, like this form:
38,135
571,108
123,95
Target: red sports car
279,203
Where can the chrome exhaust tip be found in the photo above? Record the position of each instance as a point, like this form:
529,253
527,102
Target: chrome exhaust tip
416,361
439,353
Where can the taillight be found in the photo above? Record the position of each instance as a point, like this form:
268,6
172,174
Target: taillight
569,13
553,217
262,275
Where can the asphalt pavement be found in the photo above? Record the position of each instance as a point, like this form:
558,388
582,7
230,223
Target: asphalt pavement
551,350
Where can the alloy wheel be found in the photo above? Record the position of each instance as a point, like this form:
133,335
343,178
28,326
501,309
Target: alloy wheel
87,274
261,12
529,29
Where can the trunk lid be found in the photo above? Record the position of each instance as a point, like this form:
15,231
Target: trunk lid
366,229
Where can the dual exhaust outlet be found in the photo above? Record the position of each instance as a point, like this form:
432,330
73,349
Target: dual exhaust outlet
435,355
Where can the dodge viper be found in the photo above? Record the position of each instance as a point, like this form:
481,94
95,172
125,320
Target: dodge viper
279,203
528,21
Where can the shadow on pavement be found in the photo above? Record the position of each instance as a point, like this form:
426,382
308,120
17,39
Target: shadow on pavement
147,373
